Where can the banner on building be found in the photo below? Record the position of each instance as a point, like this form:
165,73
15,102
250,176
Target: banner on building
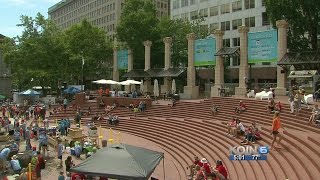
204,50
263,46
122,57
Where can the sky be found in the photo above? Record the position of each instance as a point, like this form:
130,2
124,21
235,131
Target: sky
11,10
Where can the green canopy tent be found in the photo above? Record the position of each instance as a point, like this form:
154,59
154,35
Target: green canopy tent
122,162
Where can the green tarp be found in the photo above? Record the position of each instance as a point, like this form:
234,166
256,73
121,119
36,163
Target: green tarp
2,97
122,162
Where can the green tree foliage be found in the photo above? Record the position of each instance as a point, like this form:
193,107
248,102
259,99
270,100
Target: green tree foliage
47,55
90,43
138,24
303,18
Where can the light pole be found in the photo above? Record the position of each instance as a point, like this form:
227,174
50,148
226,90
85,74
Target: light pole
82,86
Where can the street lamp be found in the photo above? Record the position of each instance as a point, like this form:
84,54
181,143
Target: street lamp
82,86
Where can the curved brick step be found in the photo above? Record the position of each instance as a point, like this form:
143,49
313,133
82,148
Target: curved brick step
249,167
155,127
280,166
292,158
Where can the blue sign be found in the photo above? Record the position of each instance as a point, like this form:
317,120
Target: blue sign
263,46
204,50
122,57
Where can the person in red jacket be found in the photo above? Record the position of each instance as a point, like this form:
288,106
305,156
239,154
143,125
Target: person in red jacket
220,171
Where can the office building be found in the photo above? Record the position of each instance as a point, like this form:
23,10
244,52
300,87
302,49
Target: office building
228,15
101,13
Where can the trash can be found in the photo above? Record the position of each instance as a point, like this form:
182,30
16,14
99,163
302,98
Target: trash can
176,97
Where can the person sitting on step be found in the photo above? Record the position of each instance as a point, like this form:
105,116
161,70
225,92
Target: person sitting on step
231,124
240,129
220,171
241,108
278,106
271,105
195,163
315,113
214,109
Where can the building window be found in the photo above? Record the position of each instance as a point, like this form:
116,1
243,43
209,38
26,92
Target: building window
236,6
236,41
193,15
176,4
236,23
214,26
203,12
225,26
263,2
184,3
250,22
226,43
214,11
249,4
265,19
235,61
192,2
225,8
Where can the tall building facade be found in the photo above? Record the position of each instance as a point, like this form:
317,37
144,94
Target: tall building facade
5,75
228,15
101,13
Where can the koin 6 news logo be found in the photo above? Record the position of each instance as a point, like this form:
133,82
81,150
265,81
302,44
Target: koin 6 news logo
249,152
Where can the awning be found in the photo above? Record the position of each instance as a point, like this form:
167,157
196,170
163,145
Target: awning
228,51
308,60
302,74
154,73
171,72
136,73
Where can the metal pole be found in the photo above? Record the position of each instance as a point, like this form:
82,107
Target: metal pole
82,81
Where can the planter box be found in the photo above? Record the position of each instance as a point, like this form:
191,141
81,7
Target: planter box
75,133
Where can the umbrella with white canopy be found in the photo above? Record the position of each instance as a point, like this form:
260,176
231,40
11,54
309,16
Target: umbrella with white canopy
141,86
103,81
156,88
173,87
129,82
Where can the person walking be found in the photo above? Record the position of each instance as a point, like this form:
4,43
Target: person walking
276,125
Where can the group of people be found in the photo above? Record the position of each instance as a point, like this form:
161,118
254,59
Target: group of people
272,106
202,170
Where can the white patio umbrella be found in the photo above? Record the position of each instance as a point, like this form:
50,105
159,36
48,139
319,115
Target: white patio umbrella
156,88
129,82
173,87
103,81
141,86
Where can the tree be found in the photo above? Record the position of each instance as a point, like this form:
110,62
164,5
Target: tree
36,54
138,24
303,18
88,43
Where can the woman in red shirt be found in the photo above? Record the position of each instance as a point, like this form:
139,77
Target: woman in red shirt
221,171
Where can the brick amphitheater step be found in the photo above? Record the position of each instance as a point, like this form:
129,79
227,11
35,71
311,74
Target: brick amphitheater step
189,129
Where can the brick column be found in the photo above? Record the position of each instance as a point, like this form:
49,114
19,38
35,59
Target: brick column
219,68
115,74
167,63
147,87
282,26
243,69
191,90
130,67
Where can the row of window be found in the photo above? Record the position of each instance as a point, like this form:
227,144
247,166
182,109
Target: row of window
224,8
83,9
